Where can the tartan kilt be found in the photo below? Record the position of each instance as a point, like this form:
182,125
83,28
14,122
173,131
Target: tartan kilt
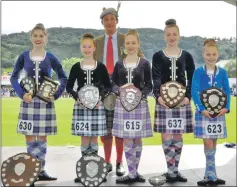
41,114
140,113
109,119
96,117
199,127
162,113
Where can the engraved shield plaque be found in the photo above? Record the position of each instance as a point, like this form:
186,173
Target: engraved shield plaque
91,169
47,89
172,93
28,84
214,99
20,170
109,102
89,96
130,97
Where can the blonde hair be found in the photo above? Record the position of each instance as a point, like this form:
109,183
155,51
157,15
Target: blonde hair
135,33
210,43
88,36
39,26
171,23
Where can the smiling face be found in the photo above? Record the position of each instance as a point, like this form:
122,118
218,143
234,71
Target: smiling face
172,36
131,44
210,55
38,38
87,47
109,21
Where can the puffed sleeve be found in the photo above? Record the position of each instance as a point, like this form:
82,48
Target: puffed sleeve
115,80
190,68
106,81
71,81
156,74
15,76
195,91
147,79
226,89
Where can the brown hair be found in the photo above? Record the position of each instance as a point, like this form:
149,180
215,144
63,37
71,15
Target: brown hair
39,26
88,36
210,43
171,23
135,33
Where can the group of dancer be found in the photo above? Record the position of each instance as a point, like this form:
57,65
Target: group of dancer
109,62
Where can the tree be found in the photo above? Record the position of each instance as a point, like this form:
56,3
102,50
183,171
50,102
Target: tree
231,68
68,63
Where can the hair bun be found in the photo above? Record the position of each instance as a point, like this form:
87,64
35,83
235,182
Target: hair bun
39,25
88,35
104,9
132,31
170,22
209,42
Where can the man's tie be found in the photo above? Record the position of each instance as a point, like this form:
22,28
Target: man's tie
110,56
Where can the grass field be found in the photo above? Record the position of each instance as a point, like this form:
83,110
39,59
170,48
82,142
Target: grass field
64,106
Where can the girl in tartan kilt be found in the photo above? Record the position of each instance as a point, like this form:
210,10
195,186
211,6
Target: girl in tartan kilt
88,123
163,70
136,69
39,114
205,77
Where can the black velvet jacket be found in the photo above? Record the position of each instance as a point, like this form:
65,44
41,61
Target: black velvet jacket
141,76
99,78
161,71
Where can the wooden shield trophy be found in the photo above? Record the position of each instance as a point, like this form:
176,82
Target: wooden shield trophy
28,84
130,96
214,99
91,169
172,92
89,95
20,170
109,101
47,89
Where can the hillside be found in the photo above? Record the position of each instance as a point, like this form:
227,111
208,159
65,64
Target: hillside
64,43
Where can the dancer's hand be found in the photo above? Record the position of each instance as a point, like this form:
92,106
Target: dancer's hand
50,98
185,101
222,112
99,103
127,84
162,102
206,114
27,97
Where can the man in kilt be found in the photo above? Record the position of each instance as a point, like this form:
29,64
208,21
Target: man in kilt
109,49
205,77
88,123
132,125
37,117
163,70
